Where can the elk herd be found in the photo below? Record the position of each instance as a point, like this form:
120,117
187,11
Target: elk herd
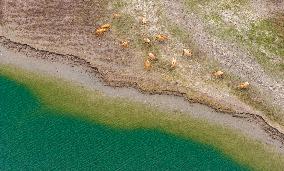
101,30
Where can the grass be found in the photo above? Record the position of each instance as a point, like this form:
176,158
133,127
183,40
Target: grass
119,5
180,33
127,27
199,5
262,35
263,38
62,96
209,65
269,36
250,96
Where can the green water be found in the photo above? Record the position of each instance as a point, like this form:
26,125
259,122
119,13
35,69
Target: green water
33,137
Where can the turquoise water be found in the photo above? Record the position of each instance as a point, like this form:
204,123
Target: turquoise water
34,138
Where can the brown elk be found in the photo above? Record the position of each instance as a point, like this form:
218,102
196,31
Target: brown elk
143,20
147,65
147,40
161,38
218,74
105,26
116,15
152,57
187,53
100,31
244,85
174,63
125,44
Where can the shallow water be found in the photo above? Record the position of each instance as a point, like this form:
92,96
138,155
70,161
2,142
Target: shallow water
33,137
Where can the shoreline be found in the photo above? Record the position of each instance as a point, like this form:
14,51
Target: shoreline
78,71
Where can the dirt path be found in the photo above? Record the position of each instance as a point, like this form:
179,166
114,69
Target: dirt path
229,55
79,73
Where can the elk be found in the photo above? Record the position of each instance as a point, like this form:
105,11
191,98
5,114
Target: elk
152,57
244,85
143,20
218,74
174,63
100,31
147,64
106,26
116,15
161,38
187,53
147,40
125,44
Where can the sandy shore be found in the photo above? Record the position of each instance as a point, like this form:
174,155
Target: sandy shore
81,73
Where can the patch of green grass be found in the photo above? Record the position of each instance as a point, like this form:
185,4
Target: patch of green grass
124,26
262,35
209,65
62,96
265,34
232,4
198,5
180,34
119,4
195,4
127,28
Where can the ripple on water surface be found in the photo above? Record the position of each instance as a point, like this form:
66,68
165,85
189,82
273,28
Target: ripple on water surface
34,138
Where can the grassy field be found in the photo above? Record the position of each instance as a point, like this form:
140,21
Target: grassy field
263,37
62,96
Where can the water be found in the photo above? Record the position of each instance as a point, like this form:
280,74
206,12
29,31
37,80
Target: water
34,138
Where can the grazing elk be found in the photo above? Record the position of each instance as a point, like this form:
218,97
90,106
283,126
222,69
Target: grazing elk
116,15
161,38
147,65
152,57
106,26
125,44
218,74
187,53
102,29
174,63
244,85
143,20
147,40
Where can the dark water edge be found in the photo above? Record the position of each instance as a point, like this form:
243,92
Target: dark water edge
34,138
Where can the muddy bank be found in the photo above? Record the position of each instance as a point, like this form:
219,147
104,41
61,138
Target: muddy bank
82,73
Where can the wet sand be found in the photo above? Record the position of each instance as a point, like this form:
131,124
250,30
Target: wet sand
78,72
